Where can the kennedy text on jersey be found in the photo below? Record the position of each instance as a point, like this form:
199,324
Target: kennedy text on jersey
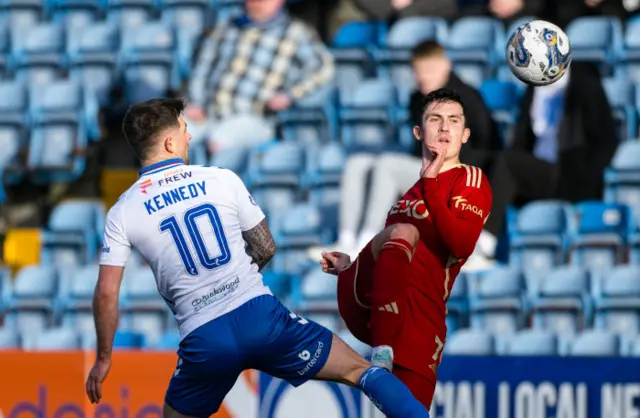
179,194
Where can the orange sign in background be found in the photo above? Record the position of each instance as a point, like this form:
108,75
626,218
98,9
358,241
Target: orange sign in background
51,385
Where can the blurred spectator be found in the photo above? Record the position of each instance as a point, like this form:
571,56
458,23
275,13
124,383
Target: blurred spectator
393,9
564,139
258,63
394,173
505,10
316,12
563,12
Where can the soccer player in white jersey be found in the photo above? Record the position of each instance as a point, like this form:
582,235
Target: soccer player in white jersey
206,241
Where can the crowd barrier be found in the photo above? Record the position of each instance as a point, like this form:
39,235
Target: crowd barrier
51,385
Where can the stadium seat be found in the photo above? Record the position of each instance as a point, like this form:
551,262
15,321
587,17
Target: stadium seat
331,321
501,98
38,53
190,17
170,340
471,45
629,55
595,343
352,47
148,61
563,303
21,14
620,94
234,159
366,112
31,307
5,44
13,130
144,311
311,120
74,232
128,14
497,302
540,236
227,10
633,348
601,234
358,346
9,339
532,342
315,291
470,342
458,304
622,178
76,298
5,288
617,304
74,14
53,339
595,39
92,59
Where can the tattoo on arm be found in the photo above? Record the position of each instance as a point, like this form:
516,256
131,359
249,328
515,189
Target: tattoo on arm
260,244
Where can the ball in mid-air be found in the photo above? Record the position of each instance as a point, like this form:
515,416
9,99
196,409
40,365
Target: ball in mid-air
538,53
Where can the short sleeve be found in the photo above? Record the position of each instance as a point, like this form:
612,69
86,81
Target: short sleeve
471,195
248,209
115,245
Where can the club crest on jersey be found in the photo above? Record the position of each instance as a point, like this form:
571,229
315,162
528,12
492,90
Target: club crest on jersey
145,185
412,208
253,201
461,202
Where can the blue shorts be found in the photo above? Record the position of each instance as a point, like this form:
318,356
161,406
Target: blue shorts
263,335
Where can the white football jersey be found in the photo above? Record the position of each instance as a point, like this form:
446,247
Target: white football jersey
187,222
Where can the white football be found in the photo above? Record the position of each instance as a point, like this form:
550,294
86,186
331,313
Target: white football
538,53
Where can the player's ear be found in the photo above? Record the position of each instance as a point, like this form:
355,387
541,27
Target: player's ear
169,146
417,132
465,135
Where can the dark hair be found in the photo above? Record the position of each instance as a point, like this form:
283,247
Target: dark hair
444,95
144,121
426,49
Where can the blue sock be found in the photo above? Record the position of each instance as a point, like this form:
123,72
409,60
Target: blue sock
390,395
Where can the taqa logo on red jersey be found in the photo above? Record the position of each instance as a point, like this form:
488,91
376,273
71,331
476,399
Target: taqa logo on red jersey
461,202
411,208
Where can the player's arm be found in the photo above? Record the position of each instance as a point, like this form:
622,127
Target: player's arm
460,214
261,246
115,253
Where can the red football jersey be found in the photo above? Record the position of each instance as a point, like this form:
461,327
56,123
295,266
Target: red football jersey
450,212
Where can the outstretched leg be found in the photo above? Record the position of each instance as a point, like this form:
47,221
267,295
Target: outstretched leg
389,291
385,390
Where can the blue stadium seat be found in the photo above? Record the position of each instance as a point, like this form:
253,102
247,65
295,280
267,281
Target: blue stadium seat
5,289
74,232
622,178
21,14
76,298
595,39
74,14
5,44
9,339
471,46
497,303
190,17
501,97
620,94
128,14
352,47
470,342
540,236
144,311
234,159
595,343
128,340
227,10
563,304
322,180
629,55
330,321
366,112
31,307
394,55
633,348
170,340
602,230
617,305
53,339
315,291
311,120
38,53
458,304
149,62
532,342
13,130
92,55
358,346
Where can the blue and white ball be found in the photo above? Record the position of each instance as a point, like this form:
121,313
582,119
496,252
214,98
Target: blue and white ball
538,53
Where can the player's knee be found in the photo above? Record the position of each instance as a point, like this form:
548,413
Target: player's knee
406,232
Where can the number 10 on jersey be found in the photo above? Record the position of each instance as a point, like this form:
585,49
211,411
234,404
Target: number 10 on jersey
205,260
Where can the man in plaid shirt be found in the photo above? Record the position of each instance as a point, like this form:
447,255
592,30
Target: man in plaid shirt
256,63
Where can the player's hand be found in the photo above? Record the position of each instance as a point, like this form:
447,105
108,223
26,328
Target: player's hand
334,262
432,163
97,375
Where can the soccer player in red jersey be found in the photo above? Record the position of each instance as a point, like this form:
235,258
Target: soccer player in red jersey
393,296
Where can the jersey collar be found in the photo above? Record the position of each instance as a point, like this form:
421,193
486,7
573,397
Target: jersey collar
160,166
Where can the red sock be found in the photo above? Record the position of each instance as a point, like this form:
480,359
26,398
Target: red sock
389,294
